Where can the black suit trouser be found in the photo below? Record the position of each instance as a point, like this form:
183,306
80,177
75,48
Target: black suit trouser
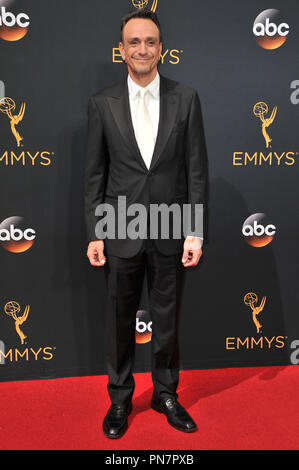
124,277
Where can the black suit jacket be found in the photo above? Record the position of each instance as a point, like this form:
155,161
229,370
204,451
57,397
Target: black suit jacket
114,165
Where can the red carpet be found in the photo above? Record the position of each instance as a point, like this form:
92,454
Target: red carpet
245,408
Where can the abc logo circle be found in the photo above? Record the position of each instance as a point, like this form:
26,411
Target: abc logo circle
15,236
143,332
270,30
13,23
257,231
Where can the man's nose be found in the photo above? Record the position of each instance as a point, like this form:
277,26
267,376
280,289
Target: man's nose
143,48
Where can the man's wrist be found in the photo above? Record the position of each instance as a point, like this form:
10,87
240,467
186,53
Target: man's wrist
190,237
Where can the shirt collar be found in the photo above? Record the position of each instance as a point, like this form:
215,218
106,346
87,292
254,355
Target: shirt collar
153,87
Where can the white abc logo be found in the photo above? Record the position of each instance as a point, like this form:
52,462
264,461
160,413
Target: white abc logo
9,19
16,234
141,326
258,230
270,29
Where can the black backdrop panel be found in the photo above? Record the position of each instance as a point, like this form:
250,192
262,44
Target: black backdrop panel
52,304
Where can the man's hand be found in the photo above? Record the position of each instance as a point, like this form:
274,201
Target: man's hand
95,253
192,251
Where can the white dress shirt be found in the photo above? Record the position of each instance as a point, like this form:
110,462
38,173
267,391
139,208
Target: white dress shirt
152,102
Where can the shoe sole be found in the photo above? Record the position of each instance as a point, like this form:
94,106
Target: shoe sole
159,409
111,436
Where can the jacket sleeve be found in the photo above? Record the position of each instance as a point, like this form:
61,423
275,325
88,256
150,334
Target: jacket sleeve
96,168
196,164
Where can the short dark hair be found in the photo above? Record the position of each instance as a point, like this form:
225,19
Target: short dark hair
140,13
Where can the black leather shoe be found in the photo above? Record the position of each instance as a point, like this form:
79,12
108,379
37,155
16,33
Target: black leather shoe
115,423
176,415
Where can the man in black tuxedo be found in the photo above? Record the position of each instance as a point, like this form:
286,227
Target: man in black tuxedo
145,142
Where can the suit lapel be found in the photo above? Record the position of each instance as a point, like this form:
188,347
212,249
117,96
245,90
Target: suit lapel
120,108
168,112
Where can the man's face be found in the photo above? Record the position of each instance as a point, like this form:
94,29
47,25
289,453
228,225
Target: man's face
140,47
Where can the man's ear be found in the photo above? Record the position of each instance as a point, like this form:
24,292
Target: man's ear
122,50
161,48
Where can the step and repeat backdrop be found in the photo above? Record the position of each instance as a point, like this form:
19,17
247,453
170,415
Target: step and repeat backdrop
240,305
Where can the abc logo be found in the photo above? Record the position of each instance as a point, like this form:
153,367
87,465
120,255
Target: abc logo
257,232
269,29
15,236
13,25
143,333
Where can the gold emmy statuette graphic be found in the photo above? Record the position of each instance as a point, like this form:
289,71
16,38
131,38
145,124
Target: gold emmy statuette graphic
13,309
143,3
250,300
259,110
7,106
